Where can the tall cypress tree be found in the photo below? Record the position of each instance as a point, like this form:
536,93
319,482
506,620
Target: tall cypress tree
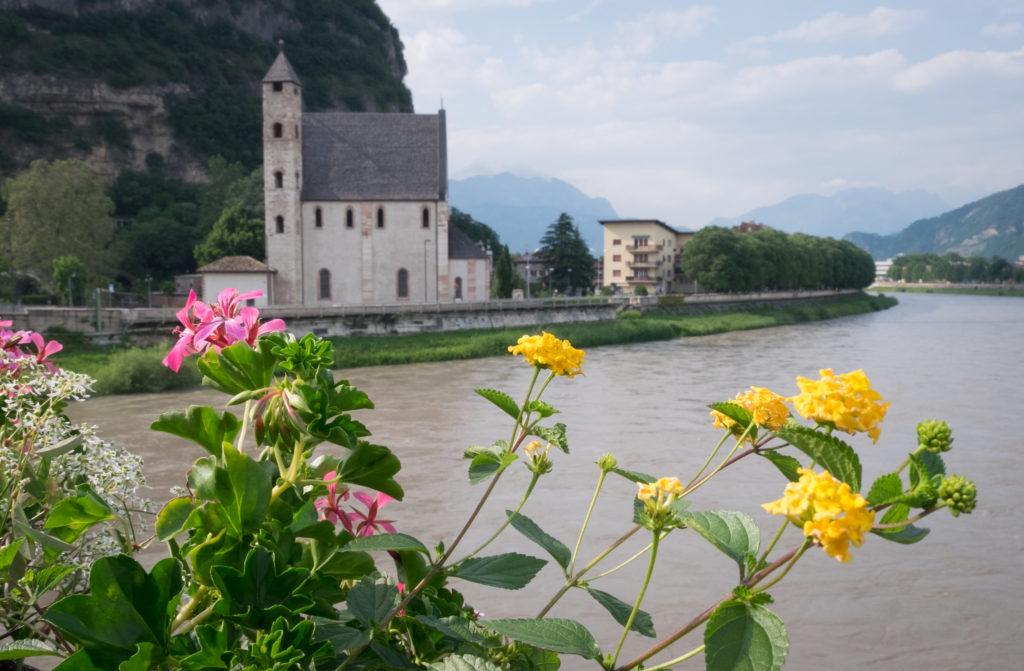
567,256
502,286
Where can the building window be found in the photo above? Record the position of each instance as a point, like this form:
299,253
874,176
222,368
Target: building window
616,273
639,258
296,131
279,179
403,283
324,290
616,242
380,217
640,242
278,130
458,288
350,218
617,257
319,218
426,218
278,86
279,224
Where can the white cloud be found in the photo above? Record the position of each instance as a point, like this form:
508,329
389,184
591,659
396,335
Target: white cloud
1008,29
648,31
958,64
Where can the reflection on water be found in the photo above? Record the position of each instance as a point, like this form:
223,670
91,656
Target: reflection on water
951,602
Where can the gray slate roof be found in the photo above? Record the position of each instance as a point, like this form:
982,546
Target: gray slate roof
461,246
374,156
282,71
236,264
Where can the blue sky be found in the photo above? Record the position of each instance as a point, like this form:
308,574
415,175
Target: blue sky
684,111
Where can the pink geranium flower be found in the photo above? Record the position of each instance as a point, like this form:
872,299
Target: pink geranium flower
329,506
368,523
45,349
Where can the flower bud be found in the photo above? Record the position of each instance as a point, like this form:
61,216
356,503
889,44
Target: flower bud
959,494
607,462
935,436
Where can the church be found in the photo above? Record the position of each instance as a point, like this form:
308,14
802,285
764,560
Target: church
357,206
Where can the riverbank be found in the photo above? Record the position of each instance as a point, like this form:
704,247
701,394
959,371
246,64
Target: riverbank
126,370
950,289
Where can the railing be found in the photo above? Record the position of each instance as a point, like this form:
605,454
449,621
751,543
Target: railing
640,280
642,264
641,249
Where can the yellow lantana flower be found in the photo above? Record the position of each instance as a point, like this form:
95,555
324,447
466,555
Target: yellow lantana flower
846,401
547,351
768,409
827,509
661,492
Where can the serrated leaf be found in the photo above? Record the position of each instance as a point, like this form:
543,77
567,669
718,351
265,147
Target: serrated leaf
829,452
744,637
374,467
27,648
553,434
340,636
542,408
735,412
383,542
372,599
499,398
510,570
907,535
200,424
464,663
620,610
9,552
487,461
452,627
238,368
558,635
932,463
633,476
554,547
73,516
171,519
886,489
734,533
786,464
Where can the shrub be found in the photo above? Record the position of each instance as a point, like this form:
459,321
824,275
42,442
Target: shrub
138,370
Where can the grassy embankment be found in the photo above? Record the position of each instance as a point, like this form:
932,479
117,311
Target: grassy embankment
952,289
124,370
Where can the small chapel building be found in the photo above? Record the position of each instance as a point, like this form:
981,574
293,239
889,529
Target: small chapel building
357,206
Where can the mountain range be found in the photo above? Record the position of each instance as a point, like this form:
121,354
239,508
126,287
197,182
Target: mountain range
991,226
872,210
520,209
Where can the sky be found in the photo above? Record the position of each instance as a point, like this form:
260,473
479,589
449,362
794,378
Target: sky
684,111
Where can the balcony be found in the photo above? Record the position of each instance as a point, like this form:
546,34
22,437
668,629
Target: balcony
642,264
633,279
645,249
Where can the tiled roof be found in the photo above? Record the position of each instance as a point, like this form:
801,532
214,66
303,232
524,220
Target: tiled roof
282,71
236,264
374,156
461,246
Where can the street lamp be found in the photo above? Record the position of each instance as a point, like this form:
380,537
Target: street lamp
149,291
71,289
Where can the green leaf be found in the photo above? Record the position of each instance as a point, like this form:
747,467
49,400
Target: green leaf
932,463
238,368
372,599
633,476
374,467
744,637
386,542
924,486
202,425
786,464
75,515
829,452
59,448
507,571
886,489
144,659
464,663
486,461
340,636
502,400
9,552
907,535
171,519
453,627
27,648
554,547
558,635
734,533
620,610
243,491
553,434
545,410
736,413
260,592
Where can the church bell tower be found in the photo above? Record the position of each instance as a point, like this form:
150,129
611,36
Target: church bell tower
282,179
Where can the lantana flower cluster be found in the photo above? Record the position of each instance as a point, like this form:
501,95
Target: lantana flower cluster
767,408
217,326
547,351
846,401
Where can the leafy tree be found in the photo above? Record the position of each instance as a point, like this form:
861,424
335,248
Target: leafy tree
503,283
158,247
53,210
69,276
567,255
475,230
235,233
228,183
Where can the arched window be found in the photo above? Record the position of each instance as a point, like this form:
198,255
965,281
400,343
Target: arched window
324,290
279,179
319,216
350,218
296,130
380,217
278,130
279,224
458,288
426,218
403,283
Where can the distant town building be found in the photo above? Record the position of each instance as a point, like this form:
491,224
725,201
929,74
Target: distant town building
749,227
357,206
241,272
642,253
530,267
882,270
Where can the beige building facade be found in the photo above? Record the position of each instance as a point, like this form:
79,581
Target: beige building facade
357,206
642,253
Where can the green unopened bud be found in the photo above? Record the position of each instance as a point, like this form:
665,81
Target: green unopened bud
607,462
959,494
935,436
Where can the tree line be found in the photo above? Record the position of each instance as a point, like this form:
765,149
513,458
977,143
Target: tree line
955,268
727,260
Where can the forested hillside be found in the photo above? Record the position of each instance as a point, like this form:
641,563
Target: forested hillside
112,81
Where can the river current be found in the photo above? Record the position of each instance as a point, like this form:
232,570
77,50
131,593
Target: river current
953,601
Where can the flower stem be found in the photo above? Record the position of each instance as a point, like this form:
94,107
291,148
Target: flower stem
245,425
639,597
789,567
508,520
707,462
678,660
586,521
775,540
906,522
639,554
725,462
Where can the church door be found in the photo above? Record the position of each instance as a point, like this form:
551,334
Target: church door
458,288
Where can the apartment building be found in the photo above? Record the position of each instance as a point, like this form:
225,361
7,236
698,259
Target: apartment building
642,253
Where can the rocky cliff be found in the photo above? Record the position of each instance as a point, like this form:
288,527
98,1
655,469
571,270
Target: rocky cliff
118,82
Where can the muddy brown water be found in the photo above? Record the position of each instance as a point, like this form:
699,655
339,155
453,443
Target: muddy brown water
954,601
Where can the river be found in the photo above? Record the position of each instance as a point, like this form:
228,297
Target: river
953,601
